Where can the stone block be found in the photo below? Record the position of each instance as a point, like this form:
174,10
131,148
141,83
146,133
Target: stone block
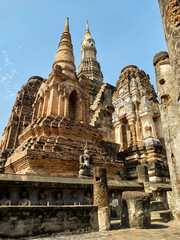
135,210
142,171
104,219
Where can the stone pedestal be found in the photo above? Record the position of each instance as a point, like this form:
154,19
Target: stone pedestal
136,210
104,219
101,198
142,172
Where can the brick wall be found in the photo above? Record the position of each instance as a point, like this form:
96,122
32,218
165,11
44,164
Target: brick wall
29,221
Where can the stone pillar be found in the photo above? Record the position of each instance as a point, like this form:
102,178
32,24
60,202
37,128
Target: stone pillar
101,198
142,172
66,107
135,209
170,99
121,137
138,123
170,122
35,111
131,123
53,102
40,108
61,105
46,97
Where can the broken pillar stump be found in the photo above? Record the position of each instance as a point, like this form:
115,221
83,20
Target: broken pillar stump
136,209
101,198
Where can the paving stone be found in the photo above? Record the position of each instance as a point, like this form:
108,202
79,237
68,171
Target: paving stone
158,230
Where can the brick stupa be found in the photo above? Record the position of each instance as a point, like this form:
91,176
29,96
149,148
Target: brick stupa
55,138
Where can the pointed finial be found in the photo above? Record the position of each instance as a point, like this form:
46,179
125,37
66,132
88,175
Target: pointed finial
66,28
86,146
87,27
66,61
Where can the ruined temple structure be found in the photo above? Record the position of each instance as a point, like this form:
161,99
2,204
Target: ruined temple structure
21,115
137,125
54,118
72,133
51,140
59,115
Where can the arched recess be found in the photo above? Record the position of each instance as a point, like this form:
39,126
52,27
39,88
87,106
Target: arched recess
73,106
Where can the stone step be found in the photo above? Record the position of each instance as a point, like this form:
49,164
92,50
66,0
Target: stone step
98,97
161,216
95,117
157,206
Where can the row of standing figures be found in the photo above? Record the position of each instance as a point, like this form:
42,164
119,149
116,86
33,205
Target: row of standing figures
24,199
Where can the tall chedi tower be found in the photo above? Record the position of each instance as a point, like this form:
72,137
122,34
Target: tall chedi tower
55,138
89,66
63,94
137,124
100,93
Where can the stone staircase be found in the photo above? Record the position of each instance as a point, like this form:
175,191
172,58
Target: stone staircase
102,104
160,212
95,117
95,108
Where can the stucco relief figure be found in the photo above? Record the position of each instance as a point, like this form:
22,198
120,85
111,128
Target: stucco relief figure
129,107
59,200
115,117
146,104
125,107
159,197
134,83
5,201
114,203
42,199
74,200
85,164
121,174
24,199
87,199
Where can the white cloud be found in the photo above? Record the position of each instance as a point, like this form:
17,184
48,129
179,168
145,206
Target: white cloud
13,71
12,95
9,76
7,62
8,88
2,79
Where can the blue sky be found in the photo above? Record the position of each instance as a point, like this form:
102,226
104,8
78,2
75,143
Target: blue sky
126,32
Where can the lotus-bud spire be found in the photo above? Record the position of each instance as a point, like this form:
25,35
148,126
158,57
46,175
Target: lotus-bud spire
64,56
